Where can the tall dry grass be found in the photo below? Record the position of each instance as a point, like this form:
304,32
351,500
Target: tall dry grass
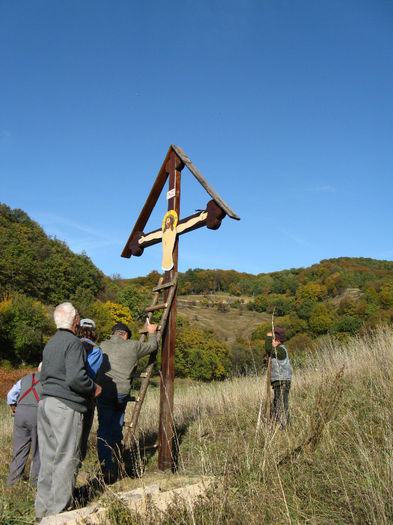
333,465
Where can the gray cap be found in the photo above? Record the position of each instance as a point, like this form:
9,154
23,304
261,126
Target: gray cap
89,323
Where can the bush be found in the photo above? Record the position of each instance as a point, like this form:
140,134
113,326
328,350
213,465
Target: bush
24,328
299,343
199,355
348,323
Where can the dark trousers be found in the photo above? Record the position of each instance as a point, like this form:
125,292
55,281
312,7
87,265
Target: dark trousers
24,439
110,411
280,406
88,419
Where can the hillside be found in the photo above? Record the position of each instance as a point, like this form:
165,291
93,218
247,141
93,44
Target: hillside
229,323
340,297
33,264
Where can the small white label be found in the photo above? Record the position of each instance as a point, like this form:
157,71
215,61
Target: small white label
170,194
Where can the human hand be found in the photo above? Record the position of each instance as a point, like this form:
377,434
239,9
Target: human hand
97,391
151,328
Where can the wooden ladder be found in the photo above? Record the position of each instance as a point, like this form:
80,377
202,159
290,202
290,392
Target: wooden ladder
170,288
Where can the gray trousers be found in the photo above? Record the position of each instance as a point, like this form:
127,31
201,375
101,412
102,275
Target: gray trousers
59,434
24,439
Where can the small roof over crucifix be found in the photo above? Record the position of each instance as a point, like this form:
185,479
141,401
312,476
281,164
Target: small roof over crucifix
211,217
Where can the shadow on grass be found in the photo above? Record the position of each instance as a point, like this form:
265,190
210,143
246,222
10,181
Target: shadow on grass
142,453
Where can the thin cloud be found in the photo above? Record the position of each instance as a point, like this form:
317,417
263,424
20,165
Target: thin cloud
69,231
295,238
320,189
51,221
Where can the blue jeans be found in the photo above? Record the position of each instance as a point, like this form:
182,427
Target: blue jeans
110,410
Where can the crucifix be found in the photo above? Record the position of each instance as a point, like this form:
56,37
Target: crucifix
168,234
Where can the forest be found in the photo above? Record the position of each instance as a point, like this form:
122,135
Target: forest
334,298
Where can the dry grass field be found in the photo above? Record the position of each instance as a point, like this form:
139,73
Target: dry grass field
334,465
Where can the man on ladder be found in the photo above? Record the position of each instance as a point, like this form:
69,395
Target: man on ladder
120,355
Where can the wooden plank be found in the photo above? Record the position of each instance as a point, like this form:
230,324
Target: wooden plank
138,376
156,307
152,242
149,204
164,285
167,383
201,179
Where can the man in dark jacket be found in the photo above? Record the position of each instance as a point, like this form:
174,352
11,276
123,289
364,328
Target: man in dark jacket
23,399
120,357
66,390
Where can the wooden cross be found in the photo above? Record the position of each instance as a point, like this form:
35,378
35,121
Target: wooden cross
211,217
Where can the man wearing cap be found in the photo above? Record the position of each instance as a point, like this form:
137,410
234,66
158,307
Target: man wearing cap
88,335
120,357
23,399
281,375
66,389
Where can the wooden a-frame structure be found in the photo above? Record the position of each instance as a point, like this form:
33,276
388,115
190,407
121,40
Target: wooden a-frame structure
215,211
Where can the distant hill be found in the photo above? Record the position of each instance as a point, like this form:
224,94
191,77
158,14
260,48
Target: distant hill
340,296
227,316
41,267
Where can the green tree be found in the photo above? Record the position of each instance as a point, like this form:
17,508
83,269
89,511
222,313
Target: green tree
24,328
311,291
199,355
134,297
385,295
107,314
304,309
320,323
348,323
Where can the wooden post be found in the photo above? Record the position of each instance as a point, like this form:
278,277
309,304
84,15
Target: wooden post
166,424
216,210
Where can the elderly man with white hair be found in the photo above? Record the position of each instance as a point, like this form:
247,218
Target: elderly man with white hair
66,391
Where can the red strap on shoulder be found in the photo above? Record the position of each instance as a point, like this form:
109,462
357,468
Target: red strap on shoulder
31,389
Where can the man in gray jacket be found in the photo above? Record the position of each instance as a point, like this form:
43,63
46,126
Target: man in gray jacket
120,357
66,389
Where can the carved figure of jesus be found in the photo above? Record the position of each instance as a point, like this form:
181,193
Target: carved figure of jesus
170,229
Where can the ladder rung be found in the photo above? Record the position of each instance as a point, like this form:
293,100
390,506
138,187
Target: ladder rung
137,376
161,306
150,447
164,285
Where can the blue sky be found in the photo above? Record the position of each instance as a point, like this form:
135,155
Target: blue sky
285,106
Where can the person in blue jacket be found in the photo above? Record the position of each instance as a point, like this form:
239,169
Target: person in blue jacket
88,335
